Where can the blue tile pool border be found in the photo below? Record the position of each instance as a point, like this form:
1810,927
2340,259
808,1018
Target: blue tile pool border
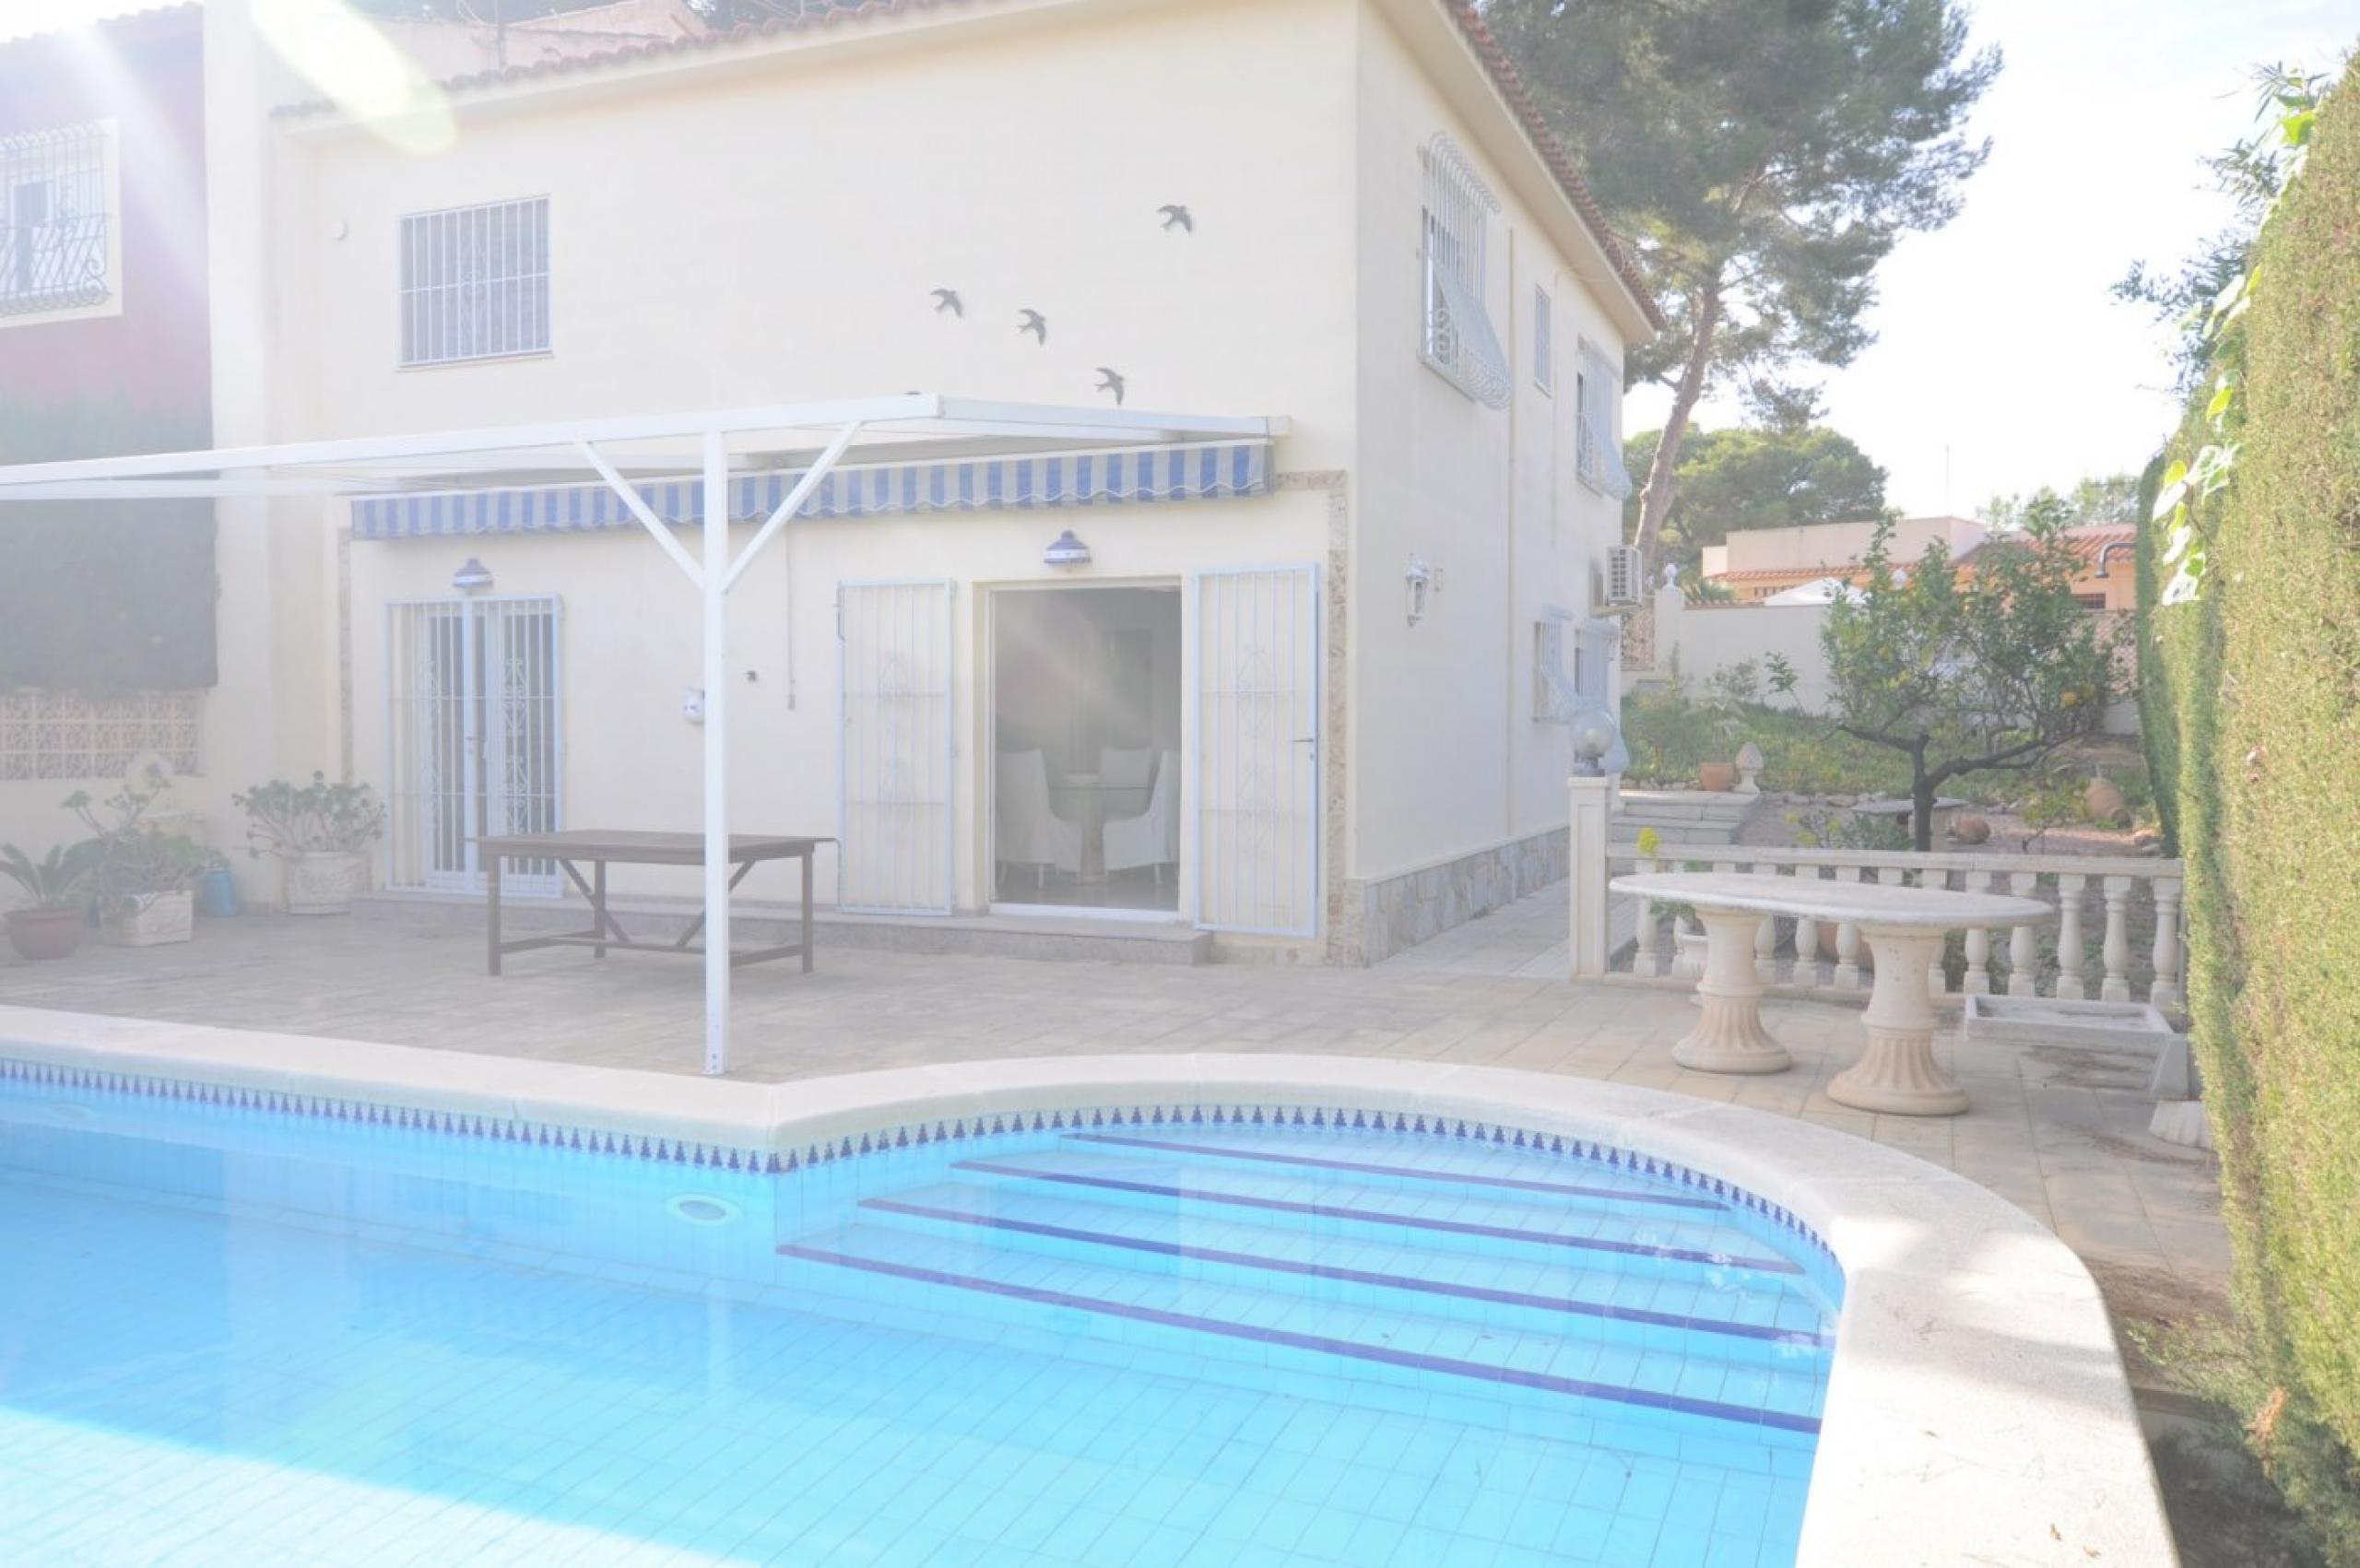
899,1139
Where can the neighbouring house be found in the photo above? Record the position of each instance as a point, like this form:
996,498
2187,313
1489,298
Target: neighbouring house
108,647
1037,687
2108,581
1786,578
1762,563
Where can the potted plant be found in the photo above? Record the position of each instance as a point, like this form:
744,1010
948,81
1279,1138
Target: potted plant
140,873
1727,695
319,832
1687,940
50,926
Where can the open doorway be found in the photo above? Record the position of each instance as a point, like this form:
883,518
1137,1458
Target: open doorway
1086,717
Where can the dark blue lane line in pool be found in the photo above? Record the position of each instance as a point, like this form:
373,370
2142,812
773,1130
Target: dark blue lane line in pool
1546,1382
1354,1276
1413,1173
1379,1217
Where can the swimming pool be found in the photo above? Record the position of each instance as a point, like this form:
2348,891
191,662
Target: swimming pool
293,1330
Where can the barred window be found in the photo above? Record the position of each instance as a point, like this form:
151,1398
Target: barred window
1597,394
475,282
56,223
1458,340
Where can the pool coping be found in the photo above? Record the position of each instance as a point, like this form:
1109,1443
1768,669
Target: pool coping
1977,1410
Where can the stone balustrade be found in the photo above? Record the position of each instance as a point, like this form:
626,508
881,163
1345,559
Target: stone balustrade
2132,906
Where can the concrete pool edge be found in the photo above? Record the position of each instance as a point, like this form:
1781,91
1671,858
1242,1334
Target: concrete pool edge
1977,1410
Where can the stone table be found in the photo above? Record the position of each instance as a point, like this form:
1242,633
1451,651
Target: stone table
1903,929
1945,812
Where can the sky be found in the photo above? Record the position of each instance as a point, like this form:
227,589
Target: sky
2002,362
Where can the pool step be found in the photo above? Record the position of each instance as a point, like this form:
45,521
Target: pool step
1760,1325
1227,1330
1631,1237
1393,1167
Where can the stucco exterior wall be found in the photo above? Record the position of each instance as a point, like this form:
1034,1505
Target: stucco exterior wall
146,351
1017,154
1448,762
630,651
771,232
141,358
1021,169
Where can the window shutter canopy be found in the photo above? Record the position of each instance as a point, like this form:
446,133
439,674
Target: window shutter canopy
1599,457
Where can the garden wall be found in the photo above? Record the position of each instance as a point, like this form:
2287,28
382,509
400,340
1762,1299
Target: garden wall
2260,766
1707,639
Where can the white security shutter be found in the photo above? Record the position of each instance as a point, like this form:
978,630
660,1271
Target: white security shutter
894,811
428,746
1254,671
517,646
1598,455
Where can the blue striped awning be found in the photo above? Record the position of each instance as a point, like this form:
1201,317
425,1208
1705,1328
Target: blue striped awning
1099,478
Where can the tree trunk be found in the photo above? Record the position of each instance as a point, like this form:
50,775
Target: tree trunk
1921,801
1655,502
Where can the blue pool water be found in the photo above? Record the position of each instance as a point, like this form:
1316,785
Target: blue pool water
236,1336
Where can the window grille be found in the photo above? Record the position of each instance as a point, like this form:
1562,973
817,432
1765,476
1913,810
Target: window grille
1598,455
1544,341
64,734
55,222
1458,340
475,282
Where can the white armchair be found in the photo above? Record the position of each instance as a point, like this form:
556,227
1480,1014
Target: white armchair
1029,833
1151,838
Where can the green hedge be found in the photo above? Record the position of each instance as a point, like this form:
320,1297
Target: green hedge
2257,686
2158,718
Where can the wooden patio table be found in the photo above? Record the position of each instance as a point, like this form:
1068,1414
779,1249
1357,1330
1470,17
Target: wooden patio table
600,847
1903,929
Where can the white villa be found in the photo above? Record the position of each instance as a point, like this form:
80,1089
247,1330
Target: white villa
1304,688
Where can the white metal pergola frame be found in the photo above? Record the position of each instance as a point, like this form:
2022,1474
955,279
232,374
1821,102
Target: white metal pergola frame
819,436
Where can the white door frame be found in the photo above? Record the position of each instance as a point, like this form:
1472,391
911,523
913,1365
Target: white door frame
987,784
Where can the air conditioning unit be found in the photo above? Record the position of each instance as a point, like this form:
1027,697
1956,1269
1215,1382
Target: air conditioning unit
1622,574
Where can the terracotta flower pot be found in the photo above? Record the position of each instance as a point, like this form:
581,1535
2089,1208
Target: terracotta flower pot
1719,777
40,934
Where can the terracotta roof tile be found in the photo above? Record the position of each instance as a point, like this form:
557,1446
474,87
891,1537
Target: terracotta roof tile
1505,77
1775,573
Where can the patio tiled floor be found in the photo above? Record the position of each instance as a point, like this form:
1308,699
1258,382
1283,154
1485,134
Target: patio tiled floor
2060,1132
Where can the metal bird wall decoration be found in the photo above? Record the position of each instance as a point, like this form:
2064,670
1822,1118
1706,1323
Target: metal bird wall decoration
1176,217
948,299
1110,380
1036,324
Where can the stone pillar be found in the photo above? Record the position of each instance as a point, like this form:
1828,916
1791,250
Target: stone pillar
1590,806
